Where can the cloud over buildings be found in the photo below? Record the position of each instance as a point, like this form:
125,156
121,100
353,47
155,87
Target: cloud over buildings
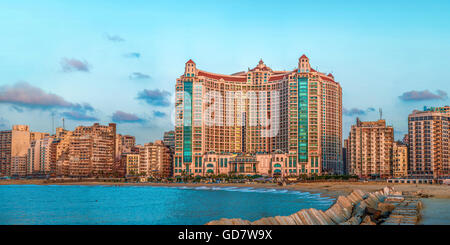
423,95
353,112
154,97
78,116
23,95
71,65
114,38
135,55
356,111
138,76
159,114
124,117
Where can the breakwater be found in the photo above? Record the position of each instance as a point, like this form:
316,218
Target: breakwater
382,207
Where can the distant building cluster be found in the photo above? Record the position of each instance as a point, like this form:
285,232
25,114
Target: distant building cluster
424,153
255,122
87,151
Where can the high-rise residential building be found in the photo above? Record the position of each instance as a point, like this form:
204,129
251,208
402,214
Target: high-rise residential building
60,152
169,139
259,112
5,152
345,157
131,163
38,135
399,160
155,160
429,152
369,149
124,144
405,139
14,145
39,156
92,150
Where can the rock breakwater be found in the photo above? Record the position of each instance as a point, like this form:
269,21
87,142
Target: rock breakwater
385,206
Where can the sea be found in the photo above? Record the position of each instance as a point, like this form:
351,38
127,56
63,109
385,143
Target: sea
147,205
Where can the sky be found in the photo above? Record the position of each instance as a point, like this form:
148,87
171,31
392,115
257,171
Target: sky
117,61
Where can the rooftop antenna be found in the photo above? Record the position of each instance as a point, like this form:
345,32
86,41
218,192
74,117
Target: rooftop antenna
381,114
63,124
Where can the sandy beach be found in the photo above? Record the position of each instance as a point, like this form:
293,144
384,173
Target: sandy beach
333,189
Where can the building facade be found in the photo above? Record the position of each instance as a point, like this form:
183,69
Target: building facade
155,160
369,149
399,160
169,139
124,144
14,145
92,151
429,152
259,112
39,156
131,161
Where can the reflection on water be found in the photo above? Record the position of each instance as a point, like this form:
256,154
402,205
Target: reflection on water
54,204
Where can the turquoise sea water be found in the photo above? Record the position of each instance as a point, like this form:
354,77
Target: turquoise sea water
142,205
436,211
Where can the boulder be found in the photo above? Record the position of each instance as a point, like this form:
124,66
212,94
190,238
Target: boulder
355,197
290,220
380,196
372,201
336,213
346,205
273,221
280,220
240,222
214,222
315,216
262,221
305,217
385,207
297,219
371,211
367,221
361,193
355,220
284,220
359,209
224,221
322,217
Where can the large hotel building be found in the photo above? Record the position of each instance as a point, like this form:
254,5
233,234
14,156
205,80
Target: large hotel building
429,143
258,122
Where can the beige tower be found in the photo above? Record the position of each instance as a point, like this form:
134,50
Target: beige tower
429,143
369,149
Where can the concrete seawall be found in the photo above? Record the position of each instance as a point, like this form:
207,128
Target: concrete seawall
386,206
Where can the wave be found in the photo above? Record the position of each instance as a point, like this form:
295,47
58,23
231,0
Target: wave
301,194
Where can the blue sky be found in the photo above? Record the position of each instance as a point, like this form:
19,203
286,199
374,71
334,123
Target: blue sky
118,60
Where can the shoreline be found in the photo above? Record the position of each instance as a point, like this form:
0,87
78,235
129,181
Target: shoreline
332,189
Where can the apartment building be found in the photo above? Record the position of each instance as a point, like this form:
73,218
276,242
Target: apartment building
92,150
369,149
429,151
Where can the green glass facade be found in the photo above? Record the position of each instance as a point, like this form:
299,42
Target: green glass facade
303,119
187,122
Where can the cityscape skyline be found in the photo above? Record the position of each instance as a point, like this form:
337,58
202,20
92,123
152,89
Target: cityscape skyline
127,54
369,151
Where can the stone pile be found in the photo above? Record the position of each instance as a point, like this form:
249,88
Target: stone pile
407,210
357,208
